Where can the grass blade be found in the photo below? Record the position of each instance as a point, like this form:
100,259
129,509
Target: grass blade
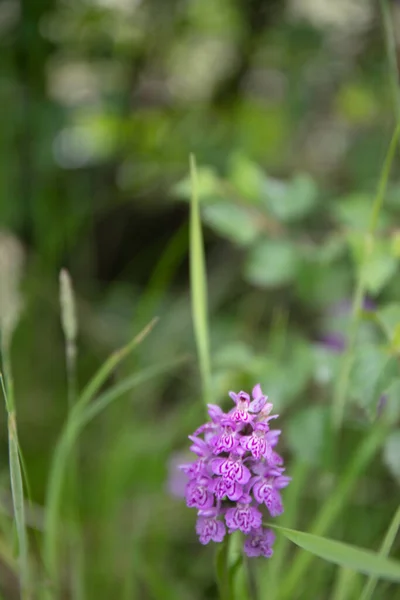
108,367
346,555
269,576
18,502
331,508
75,424
69,323
17,488
339,398
384,551
198,284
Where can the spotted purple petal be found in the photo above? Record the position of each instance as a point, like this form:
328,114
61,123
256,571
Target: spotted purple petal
259,543
233,470
223,487
210,528
243,517
198,494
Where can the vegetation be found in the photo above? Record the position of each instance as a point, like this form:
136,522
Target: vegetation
136,286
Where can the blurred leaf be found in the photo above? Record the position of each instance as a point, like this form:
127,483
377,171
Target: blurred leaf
395,244
233,222
380,269
208,186
272,263
317,283
306,433
380,265
389,319
354,211
345,555
391,454
246,176
285,376
326,363
391,408
357,103
290,201
262,129
235,354
366,381
332,249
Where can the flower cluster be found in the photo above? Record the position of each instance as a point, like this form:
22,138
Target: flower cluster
236,473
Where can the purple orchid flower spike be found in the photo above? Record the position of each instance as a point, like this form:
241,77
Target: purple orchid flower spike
259,543
237,474
209,527
243,516
228,439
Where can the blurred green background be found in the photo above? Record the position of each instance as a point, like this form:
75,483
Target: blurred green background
288,107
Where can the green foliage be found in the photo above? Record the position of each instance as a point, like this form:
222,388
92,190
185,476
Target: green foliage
308,434
348,556
291,201
232,222
104,102
271,263
392,454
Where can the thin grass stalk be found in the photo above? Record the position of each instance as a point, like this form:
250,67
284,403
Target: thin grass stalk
340,393
76,421
346,582
108,367
198,287
17,489
363,455
391,55
384,550
199,299
69,325
270,575
65,445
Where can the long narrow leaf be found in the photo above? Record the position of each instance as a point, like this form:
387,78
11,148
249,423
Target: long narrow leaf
17,487
198,284
66,442
340,394
332,507
68,436
384,551
18,502
108,367
345,555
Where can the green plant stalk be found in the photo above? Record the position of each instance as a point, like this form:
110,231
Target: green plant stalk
80,416
17,488
268,576
161,277
344,584
56,479
331,509
76,546
339,402
347,555
339,398
391,53
198,287
385,548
